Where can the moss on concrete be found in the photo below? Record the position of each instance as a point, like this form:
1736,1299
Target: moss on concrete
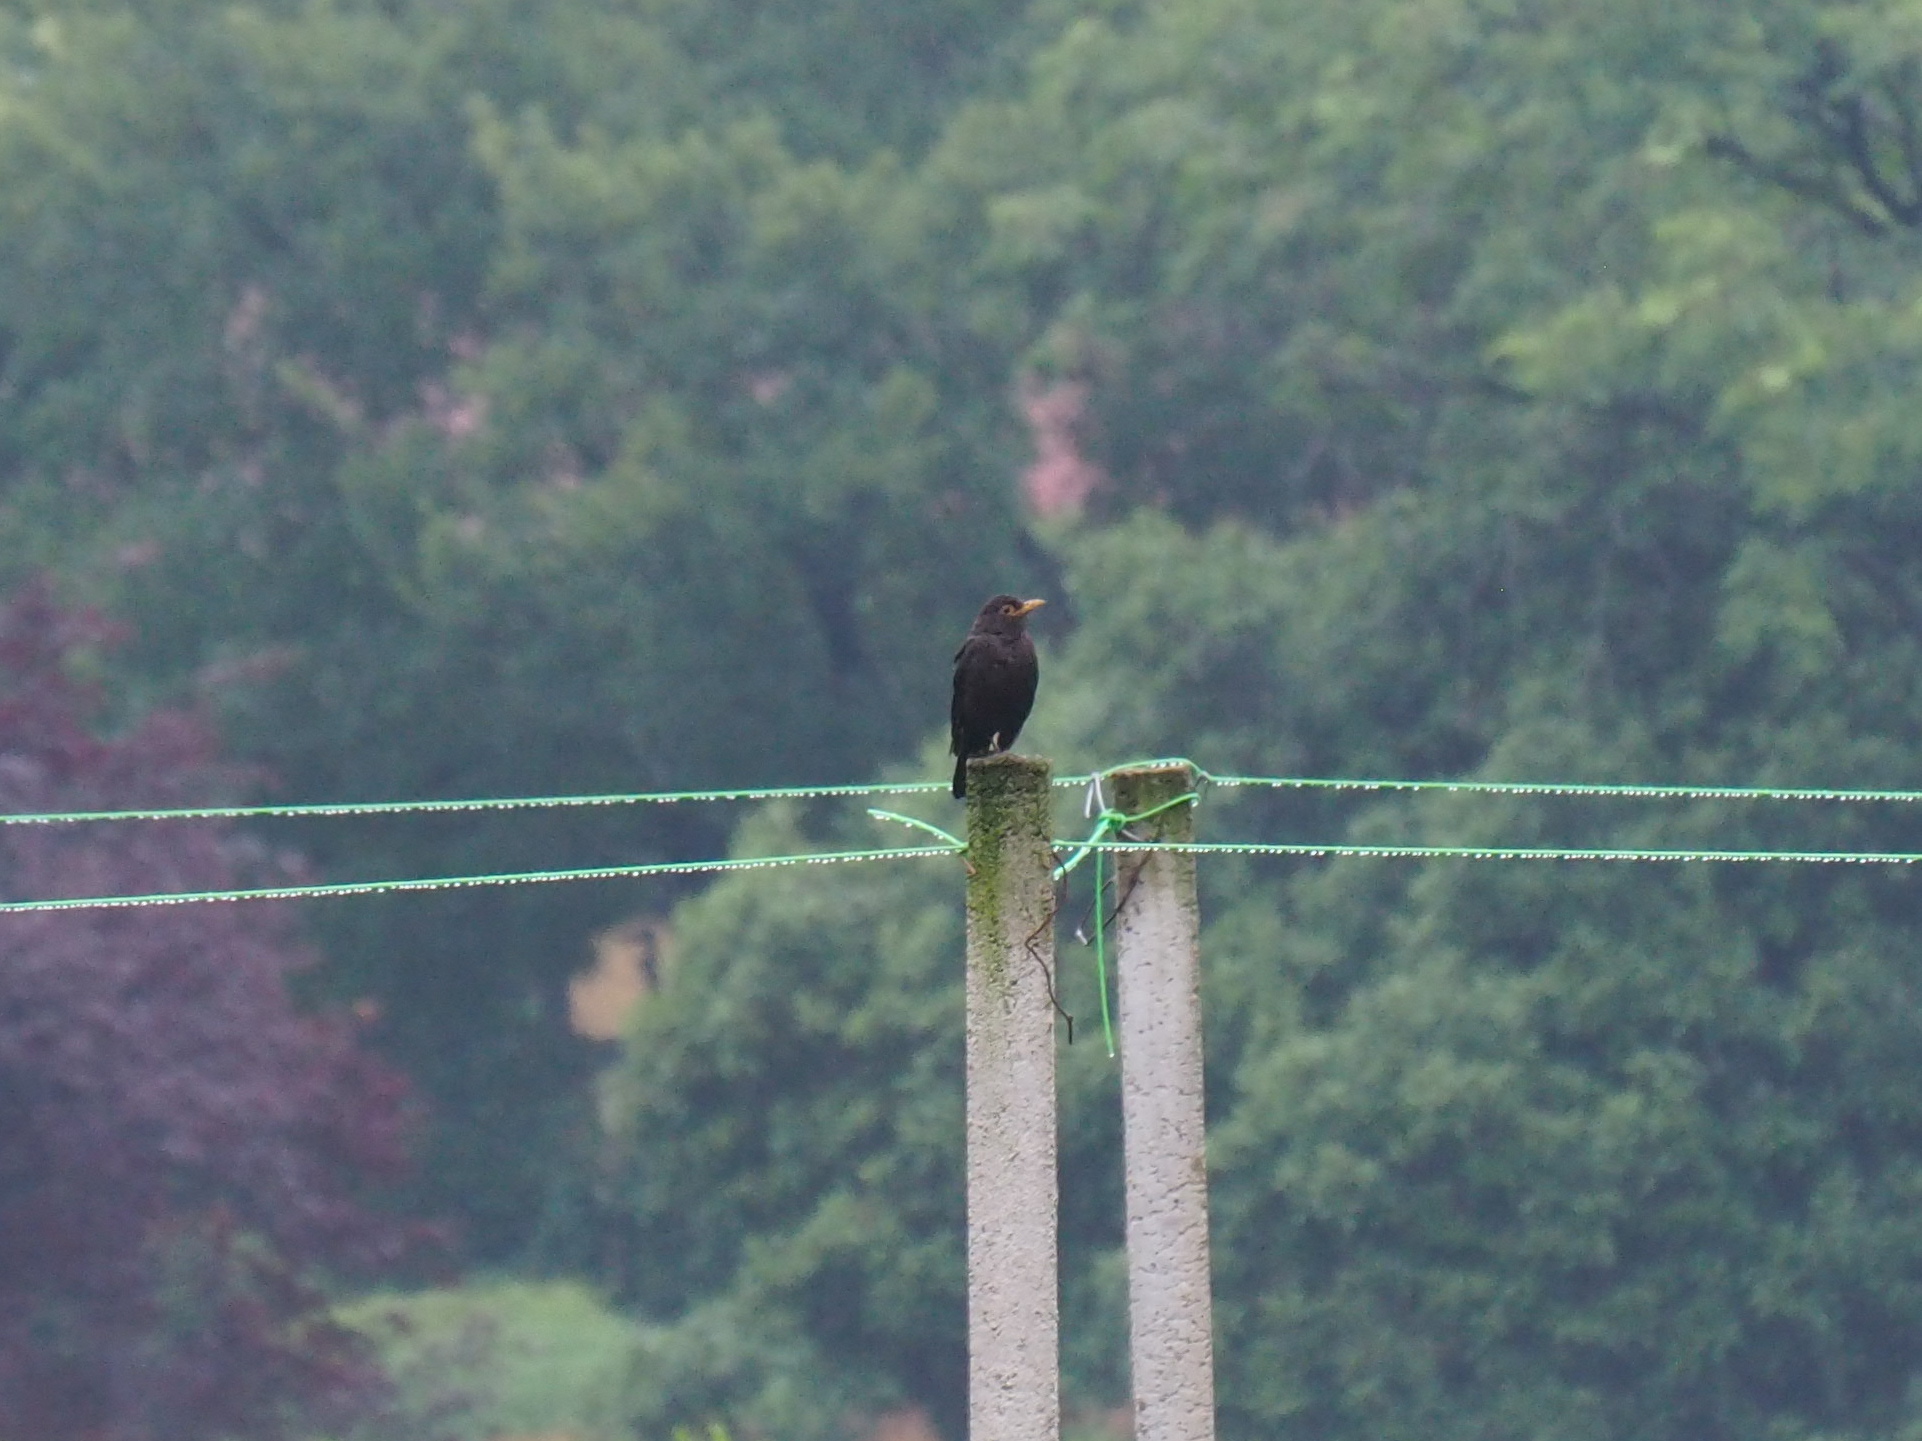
1008,799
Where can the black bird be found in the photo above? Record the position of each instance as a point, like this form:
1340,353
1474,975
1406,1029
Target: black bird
994,679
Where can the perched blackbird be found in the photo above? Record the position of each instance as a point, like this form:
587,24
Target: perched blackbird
994,680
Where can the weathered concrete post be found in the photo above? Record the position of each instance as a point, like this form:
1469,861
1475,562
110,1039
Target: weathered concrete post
1158,975
1014,1321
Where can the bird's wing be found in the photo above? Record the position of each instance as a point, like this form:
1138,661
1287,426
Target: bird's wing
972,646
954,705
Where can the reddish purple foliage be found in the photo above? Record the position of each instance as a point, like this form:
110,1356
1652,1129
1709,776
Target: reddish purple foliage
180,1148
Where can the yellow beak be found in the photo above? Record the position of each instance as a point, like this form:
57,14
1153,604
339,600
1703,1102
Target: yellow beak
1030,605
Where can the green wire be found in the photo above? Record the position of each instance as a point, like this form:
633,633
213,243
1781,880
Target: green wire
1097,847
953,842
508,803
1507,853
1096,844
1574,788
760,793
443,883
1634,790
1101,955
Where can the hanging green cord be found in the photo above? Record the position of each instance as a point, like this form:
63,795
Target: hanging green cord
1109,820
1101,955
1100,943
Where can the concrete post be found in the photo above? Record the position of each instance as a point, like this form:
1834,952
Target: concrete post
1014,1321
1157,965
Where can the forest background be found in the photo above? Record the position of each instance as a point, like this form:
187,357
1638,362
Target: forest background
453,398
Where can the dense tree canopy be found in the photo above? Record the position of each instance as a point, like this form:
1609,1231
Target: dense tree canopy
423,369
592,397
1531,392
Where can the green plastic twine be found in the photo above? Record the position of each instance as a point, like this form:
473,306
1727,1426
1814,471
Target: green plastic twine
1108,835
444,883
1101,952
953,842
1107,821
762,793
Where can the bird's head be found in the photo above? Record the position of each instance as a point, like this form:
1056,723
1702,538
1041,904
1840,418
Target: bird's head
1008,612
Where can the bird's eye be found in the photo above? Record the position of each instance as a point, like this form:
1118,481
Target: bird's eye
1009,609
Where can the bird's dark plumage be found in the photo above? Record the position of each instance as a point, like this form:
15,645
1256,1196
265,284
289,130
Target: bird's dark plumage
994,679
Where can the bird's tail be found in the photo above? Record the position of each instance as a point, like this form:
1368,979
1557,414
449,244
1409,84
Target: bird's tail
960,777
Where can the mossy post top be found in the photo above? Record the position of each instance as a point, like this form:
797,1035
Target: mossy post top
1009,820
999,784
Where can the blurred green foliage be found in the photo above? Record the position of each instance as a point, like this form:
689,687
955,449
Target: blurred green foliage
499,1358
464,423
489,399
